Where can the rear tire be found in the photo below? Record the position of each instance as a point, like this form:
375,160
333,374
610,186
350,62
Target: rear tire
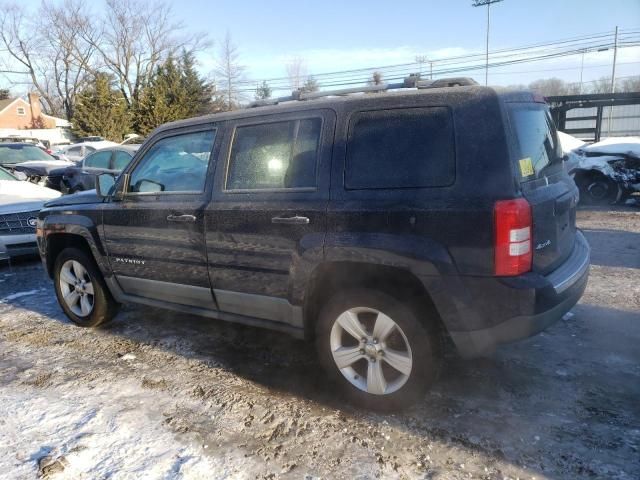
81,290
396,358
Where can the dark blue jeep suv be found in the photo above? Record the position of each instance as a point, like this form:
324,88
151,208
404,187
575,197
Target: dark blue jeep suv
383,225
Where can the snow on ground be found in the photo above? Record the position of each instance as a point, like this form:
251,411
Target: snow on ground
17,295
162,395
97,436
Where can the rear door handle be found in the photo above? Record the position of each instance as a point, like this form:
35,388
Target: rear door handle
291,220
181,218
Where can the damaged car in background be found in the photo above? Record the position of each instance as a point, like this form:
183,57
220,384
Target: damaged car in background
606,172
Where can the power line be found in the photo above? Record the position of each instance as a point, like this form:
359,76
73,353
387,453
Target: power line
360,75
441,60
460,67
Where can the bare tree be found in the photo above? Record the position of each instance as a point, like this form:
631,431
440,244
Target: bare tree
61,28
549,86
24,46
136,37
47,47
376,78
229,73
297,72
602,85
629,84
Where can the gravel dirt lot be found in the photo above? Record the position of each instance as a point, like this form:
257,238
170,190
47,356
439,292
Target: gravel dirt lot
162,395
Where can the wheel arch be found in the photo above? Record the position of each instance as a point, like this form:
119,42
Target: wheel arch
331,277
62,231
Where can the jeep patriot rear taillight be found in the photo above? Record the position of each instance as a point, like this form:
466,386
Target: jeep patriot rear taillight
513,254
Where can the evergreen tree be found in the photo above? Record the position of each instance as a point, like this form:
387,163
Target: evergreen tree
200,93
165,99
101,110
263,91
176,91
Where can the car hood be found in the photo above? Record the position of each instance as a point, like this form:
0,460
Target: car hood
41,168
17,196
88,196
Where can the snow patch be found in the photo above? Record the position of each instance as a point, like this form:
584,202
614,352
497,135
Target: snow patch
616,145
16,295
100,434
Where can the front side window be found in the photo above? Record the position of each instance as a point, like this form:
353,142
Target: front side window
401,148
275,155
98,160
174,164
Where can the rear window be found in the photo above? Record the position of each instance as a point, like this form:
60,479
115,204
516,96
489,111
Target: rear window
535,136
22,153
401,148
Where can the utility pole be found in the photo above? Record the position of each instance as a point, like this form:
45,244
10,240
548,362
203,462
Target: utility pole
613,78
581,70
615,56
420,60
481,3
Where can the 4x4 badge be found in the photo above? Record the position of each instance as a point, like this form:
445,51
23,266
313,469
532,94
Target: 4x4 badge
542,245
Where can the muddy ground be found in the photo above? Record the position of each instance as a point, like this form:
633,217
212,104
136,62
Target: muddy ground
162,395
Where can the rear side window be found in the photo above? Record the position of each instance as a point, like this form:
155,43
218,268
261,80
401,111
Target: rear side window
121,160
275,155
98,160
401,148
535,136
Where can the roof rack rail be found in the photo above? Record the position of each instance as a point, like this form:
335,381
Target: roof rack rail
412,81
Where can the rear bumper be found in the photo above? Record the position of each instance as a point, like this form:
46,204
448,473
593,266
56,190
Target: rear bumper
546,299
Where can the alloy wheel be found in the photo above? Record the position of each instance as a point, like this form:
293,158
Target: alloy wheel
76,288
371,350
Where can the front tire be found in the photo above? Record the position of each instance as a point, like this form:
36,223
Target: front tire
597,189
81,291
376,349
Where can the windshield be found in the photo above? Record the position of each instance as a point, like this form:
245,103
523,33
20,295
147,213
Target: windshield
4,175
22,153
535,136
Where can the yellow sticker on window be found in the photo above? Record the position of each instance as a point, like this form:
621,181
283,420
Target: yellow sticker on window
526,167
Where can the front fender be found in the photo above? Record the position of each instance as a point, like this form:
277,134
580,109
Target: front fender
72,224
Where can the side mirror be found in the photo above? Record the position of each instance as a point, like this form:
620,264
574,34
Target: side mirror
20,176
105,183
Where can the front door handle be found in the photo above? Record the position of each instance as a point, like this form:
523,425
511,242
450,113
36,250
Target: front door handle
181,218
291,220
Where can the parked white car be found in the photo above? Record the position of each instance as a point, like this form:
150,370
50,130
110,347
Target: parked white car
77,151
20,203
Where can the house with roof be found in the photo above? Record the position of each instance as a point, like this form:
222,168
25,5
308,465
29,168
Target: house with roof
20,117
19,113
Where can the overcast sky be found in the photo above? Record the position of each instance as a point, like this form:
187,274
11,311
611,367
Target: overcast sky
346,34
